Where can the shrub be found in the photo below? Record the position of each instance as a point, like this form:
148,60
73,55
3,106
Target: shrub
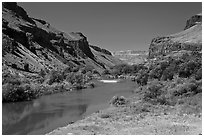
198,74
122,69
13,81
26,67
153,90
66,71
172,92
12,93
142,77
75,78
75,69
42,73
168,74
95,71
91,84
137,68
105,115
106,72
189,88
86,69
55,76
78,86
118,101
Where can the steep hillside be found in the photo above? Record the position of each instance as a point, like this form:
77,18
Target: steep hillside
131,56
32,45
189,40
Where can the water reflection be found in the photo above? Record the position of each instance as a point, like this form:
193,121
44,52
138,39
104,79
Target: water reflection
37,117
49,112
14,112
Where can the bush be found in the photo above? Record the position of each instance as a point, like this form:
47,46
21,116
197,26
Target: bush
171,92
189,88
142,77
168,74
78,86
23,92
106,72
105,115
154,90
86,69
75,69
118,101
66,71
198,74
95,72
91,85
75,78
55,76
12,81
42,73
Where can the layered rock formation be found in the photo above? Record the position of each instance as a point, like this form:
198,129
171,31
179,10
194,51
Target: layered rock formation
30,45
196,19
189,40
131,56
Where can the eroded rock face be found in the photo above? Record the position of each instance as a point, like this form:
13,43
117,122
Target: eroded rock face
132,56
101,50
20,12
35,42
190,39
193,21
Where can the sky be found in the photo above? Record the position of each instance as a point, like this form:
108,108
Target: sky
116,26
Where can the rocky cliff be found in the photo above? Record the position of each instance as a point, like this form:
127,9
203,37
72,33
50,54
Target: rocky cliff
131,56
196,19
188,40
31,44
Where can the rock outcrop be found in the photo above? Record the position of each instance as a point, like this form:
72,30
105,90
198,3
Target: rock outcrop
196,19
189,40
30,44
101,50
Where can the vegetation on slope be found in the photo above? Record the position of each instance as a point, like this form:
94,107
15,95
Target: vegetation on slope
171,80
17,87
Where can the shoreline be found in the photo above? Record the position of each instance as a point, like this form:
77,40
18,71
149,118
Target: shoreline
135,118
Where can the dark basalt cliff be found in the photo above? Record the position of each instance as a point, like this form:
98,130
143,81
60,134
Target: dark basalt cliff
188,40
31,44
193,21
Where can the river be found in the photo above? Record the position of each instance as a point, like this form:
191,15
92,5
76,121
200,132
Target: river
47,113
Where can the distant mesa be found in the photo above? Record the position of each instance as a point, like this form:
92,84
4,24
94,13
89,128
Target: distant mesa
132,56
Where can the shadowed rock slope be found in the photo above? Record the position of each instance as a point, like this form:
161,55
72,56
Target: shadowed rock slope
32,45
188,40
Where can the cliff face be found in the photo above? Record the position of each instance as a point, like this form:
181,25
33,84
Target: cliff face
31,44
131,56
101,50
190,39
196,19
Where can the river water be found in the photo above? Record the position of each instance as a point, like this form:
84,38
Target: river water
47,113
